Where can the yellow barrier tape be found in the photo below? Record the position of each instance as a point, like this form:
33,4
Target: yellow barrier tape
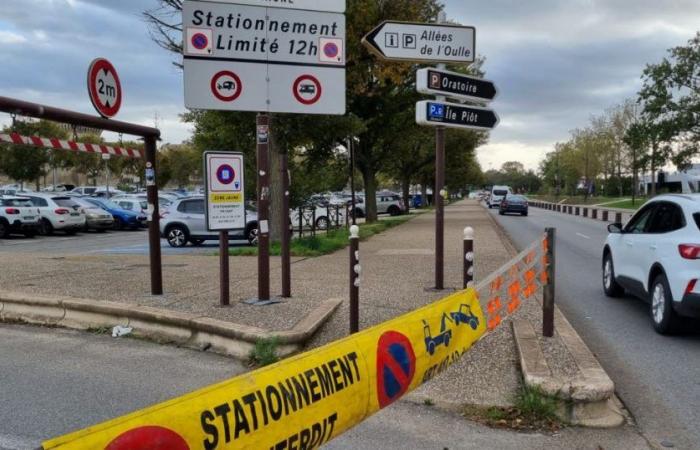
304,401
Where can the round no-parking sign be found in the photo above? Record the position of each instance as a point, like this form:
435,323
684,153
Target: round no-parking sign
396,365
104,87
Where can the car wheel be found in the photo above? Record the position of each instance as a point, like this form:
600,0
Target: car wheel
4,230
394,210
610,286
71,232
46,229
177,236
665,319
252,235
502,213
358,213
322,223
525,213
118,224
197,242
29,234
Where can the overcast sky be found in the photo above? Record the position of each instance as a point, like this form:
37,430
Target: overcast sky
555,62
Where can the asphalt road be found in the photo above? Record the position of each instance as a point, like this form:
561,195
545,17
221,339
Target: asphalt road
657,377
112,242
55,381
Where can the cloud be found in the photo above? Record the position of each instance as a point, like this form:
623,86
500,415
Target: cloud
556,63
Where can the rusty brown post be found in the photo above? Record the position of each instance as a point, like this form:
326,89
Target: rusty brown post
224,293
355,271
439,207
618,217
548,297
263,123
594,214
286,232
154,223
605,216
585,212
468,252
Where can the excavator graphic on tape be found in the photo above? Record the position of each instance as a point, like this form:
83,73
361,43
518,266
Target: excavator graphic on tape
463,316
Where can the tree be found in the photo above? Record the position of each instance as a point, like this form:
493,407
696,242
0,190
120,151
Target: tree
670,96
26,163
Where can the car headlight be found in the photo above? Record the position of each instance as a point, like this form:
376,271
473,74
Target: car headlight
92,216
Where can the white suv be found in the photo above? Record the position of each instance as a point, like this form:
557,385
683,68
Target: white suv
58,212
18,215
656,257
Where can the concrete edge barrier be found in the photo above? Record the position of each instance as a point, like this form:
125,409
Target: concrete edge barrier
159,325
597,213
585,400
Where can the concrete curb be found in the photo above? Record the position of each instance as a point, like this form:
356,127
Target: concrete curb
587,399
159,325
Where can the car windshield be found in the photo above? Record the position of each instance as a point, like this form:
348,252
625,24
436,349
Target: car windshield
500,192
108,204
697,219
516,199
66,202
16,202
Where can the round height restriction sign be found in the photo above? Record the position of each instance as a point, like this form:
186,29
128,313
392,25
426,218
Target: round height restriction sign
104,87
226,86
307,89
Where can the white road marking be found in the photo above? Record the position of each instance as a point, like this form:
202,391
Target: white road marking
583,236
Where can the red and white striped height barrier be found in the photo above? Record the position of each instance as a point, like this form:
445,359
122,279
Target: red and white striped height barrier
58,144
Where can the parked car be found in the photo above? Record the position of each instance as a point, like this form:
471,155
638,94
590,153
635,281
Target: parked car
84,190
135,204
513,204
122,218
498,193
656,257
323,216
387,203
164,200
58,213
185,222
18,216
96,218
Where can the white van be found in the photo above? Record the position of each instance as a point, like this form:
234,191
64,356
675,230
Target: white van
498,193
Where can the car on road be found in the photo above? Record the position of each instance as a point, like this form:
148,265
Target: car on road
96,218
18,216
122,218
656,256
185,222
498,193
58,212
513,204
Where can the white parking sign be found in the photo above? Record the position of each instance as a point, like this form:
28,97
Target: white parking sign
225,191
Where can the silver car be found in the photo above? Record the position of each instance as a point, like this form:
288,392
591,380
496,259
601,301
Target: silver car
184,222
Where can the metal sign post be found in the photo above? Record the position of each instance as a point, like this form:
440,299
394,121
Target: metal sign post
224,200
263,124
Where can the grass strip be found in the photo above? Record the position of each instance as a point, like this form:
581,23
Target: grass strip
325,243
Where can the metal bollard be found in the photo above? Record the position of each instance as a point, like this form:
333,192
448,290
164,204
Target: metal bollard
578,210
585,212
468,258
355,271
548,295
618,217
594,214
605,216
